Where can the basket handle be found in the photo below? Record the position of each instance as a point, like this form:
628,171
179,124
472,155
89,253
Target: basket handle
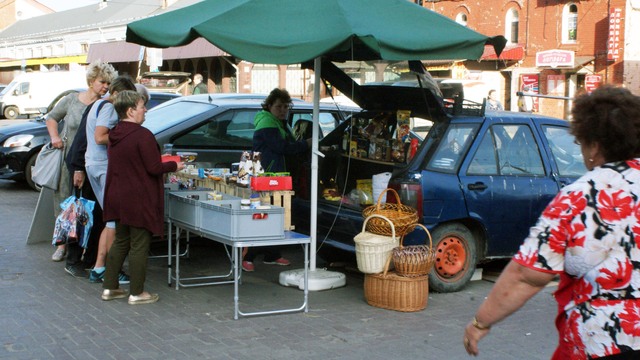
393,228
384,192
386,265
425,230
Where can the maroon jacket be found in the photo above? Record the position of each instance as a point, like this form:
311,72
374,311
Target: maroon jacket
134,191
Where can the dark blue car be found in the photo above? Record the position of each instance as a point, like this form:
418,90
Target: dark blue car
479,179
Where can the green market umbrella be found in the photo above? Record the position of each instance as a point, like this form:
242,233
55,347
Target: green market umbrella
296,31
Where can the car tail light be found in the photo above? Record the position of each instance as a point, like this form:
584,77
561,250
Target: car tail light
410,195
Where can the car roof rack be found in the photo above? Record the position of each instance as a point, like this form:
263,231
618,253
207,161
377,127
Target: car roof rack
466,107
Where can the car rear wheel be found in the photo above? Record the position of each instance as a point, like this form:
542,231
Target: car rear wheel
455,258
27,172
11,113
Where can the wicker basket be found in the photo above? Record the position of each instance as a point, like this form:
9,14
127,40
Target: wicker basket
414,260
373,250
394,292
403,217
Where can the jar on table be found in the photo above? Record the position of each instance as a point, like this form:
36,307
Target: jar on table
245,204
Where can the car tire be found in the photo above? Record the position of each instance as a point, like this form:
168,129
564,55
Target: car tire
27,172
11,113
456,258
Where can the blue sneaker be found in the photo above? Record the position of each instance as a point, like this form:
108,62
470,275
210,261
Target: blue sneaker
96,277
123,279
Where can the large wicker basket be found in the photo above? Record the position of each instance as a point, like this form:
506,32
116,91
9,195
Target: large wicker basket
403,217
414,260
373,250
394,292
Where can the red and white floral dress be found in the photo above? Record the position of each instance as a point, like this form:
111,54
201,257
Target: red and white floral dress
590,235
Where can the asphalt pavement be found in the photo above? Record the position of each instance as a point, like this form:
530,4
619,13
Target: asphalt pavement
47,314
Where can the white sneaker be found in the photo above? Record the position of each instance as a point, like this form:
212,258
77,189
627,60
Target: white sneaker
59,254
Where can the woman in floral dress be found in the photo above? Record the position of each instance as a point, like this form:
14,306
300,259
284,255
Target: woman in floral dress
589,236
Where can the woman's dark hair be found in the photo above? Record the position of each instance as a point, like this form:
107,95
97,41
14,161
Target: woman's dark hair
610,117
121,83
274,95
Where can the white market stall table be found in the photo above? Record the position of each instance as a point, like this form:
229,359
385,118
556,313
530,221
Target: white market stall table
290,238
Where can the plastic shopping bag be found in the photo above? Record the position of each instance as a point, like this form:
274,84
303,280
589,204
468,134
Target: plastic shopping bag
74,223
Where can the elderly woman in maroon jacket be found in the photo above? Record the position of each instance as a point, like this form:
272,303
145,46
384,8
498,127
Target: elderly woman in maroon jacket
133,197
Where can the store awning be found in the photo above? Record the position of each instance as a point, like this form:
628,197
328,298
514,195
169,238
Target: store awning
78,59
513,52
115,52
198,48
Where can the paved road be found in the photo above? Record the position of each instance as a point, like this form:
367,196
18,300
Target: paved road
47,314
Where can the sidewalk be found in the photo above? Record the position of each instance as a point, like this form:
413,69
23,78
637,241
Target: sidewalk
47,314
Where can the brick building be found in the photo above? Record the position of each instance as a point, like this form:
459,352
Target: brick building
559,48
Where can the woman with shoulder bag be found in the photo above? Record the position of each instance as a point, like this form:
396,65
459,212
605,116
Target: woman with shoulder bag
70,109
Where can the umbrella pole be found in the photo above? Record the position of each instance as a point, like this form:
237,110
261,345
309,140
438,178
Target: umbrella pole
313,228
317,279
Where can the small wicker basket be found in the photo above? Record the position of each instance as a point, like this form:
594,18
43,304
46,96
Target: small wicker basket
414,260
403,217
373,250
394,292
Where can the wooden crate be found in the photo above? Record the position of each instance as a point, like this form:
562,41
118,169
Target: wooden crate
280,198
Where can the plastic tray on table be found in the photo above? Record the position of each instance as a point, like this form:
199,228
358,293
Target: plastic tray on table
184,205
225,218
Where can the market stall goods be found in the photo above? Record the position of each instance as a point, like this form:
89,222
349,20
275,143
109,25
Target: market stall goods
403,217
374,250
389,290
414,260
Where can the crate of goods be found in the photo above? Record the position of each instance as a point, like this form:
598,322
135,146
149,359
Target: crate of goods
373,250
184,206
391,291
228,220
271,183
414,260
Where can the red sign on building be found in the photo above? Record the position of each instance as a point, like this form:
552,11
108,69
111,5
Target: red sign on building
592,82
615,34
555,58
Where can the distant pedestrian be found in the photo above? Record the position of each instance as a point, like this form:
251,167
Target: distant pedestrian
492,101
525,101
198,86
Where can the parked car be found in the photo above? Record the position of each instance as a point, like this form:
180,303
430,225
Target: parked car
219,127
21,143
478,180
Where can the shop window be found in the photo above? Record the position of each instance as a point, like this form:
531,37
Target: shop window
461,19
570,23
512,23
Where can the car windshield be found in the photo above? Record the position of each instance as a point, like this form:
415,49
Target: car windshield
170,114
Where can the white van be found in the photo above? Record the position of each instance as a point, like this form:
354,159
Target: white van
30,92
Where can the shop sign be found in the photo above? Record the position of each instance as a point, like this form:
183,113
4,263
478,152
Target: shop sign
615,34
592,82
529,84
555,58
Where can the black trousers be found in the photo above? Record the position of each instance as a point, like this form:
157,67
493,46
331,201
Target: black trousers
270,253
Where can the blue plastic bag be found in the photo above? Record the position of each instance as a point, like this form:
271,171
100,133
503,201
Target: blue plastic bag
74,223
